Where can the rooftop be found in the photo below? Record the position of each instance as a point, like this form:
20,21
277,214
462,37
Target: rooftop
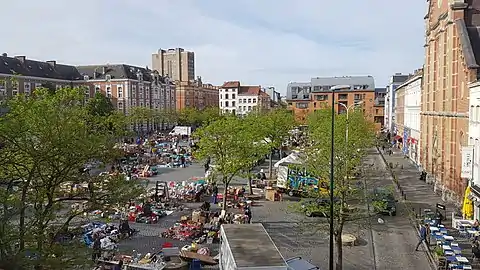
117,71
231,84
252,246
249,90
21,66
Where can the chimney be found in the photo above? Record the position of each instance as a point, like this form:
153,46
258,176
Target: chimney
52,63
104,70
21,58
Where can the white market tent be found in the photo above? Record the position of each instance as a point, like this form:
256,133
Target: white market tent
293,158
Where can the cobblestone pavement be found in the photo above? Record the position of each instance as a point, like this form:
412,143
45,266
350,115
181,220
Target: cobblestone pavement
395,240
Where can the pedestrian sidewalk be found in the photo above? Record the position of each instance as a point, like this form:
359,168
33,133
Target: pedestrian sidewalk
418,195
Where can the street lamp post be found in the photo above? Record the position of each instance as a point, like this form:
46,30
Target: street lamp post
347,108
331,261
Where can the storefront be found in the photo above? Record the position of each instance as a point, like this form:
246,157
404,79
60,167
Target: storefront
412,143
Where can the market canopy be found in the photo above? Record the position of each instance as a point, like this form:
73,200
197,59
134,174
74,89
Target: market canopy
293,158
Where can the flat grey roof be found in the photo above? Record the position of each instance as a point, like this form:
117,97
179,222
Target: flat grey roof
252,246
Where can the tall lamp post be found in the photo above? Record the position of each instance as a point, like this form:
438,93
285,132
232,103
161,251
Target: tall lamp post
331,262
347,109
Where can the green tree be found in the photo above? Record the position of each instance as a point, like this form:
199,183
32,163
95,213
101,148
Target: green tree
100,105
275,126
349,190
46,140
229,142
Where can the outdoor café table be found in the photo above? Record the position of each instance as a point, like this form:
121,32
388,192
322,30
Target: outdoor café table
449,253
456,250
451,258
462,259
448,238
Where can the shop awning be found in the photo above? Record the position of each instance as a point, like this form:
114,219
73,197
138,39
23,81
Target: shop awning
412,140
398,137
467,209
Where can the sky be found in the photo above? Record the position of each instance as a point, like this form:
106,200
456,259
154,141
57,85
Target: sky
258,42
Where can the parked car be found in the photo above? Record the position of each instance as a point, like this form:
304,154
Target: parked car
316,207
384,201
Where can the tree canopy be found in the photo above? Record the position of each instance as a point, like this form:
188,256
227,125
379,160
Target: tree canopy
349,192
47,138
100,105
275,125
232,144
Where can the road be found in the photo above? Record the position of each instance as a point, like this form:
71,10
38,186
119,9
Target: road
394,241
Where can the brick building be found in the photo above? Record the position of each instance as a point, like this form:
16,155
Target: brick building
305,98
196,94
451,62
130,86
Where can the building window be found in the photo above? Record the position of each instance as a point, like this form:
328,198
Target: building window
58,86
233,103
14,88
226,96
134,103
120,106
97,88
249,100
120,92
26,88
3,88
249,108
233,96
254,100
140,92
38,85
226,103
109,92
343,96
301,105
321,97
87,93
358,97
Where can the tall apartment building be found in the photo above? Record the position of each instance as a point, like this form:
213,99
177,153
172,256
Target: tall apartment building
177,64
196,94
379,104
31,74
241,100
451,62
130,86
389,117
305,98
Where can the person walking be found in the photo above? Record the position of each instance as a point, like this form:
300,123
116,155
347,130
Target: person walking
97,249
248,214
424,236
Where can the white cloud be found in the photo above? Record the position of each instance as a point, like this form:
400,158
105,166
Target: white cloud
269,42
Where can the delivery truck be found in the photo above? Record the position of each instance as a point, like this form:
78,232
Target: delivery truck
248,247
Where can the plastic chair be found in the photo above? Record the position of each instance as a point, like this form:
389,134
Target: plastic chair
195,265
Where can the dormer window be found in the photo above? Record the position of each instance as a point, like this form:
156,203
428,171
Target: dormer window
86,77
108,77
139,76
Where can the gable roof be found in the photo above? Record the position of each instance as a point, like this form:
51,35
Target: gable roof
231,84
22,66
